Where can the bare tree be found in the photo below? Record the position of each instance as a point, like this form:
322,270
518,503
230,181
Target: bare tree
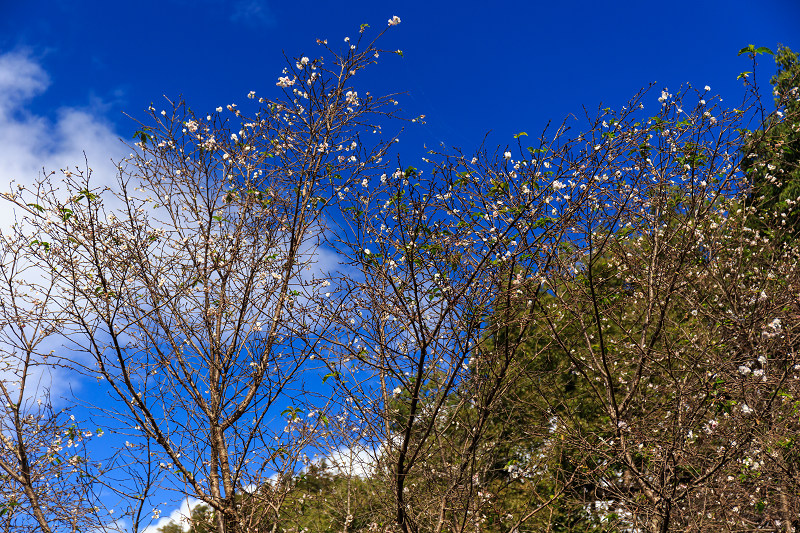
48,480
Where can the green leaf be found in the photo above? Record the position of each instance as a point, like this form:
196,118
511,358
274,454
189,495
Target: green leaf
142,134
292,411
743,75
520,134
43,244
749,49
543,222
537,150
37,207
8,507
399,52
85,194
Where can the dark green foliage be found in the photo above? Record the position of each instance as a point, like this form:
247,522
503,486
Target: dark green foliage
318,500
772,159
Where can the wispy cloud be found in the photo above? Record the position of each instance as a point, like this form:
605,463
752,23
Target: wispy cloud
253,13
32,142
20,79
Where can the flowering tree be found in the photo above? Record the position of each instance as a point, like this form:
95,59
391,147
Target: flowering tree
189,285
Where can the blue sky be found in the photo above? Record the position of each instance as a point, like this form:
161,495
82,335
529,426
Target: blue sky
471,67
69,70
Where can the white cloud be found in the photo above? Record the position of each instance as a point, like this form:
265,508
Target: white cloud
357,461
179,516
20,79
31,142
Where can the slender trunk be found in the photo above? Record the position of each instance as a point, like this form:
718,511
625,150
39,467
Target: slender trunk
786,509
666,507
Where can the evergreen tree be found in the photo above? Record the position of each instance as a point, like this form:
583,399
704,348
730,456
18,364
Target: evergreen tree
773,156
